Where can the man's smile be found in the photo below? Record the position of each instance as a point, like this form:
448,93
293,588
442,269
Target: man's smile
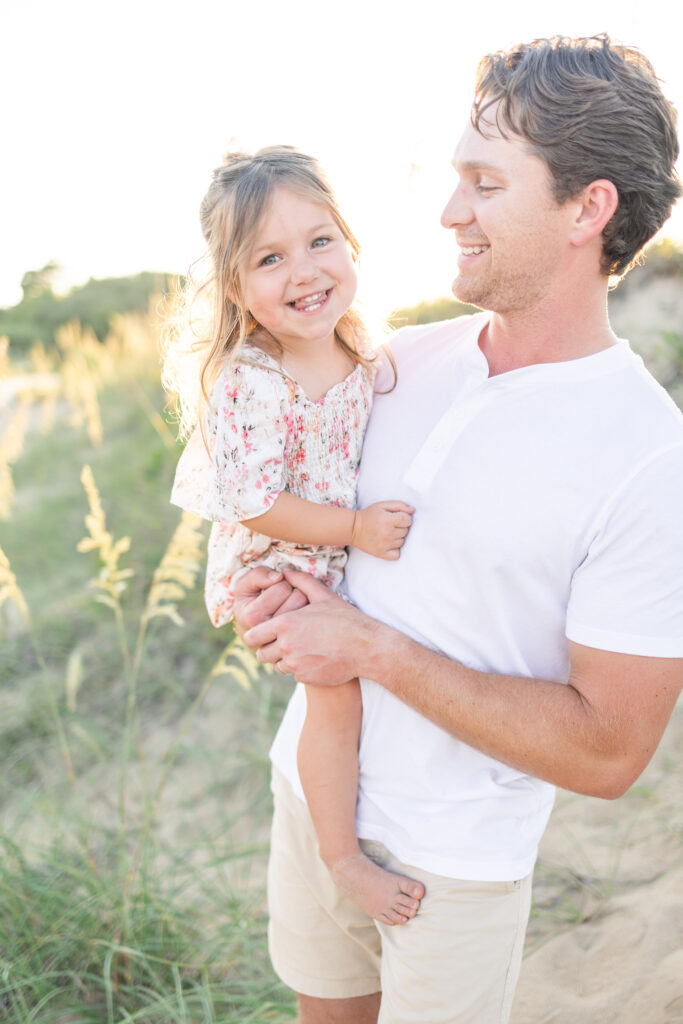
473,250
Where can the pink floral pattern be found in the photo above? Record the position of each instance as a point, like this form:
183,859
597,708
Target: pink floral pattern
264,436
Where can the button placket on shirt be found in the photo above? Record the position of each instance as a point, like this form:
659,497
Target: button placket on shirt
443,436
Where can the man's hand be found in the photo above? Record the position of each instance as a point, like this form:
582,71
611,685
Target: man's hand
381,529
262,593
320,643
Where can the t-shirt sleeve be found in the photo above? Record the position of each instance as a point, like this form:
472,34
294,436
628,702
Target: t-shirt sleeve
627,594
382,373
242,472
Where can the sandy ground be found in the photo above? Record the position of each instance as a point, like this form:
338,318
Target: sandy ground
605,942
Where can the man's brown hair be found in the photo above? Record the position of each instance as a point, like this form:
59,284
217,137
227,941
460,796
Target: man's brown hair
590,109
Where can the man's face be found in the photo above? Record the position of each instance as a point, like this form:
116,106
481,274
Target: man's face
511,232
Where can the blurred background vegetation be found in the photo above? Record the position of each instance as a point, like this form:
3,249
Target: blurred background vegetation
41,311
134,790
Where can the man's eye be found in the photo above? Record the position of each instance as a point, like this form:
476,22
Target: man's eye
485,189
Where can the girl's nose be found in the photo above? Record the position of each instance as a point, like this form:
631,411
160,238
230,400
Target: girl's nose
457,210
304,269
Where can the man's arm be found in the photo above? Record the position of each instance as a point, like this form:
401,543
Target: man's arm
593,735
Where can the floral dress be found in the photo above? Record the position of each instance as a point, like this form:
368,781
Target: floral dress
265,436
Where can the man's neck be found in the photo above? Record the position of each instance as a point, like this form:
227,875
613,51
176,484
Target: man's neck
548,335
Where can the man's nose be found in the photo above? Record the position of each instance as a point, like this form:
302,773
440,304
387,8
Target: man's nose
457,210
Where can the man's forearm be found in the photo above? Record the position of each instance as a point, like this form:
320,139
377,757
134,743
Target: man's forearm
594,734
536,726
546,729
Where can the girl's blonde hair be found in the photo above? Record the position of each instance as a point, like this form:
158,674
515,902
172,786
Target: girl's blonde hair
211,309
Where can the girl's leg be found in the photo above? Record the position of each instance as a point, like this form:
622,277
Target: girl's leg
328,768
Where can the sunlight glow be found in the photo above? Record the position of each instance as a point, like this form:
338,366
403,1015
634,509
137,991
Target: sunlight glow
116,122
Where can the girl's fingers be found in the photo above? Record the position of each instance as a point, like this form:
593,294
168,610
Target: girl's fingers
261,635
398,506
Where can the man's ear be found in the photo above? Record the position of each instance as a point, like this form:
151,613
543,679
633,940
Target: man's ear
595,207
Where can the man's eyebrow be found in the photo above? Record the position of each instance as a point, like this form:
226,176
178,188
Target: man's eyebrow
324,226
476,165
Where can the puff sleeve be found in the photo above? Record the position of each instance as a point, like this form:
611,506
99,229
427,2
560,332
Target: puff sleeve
242,473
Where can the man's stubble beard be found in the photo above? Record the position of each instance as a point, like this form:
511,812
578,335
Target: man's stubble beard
505,293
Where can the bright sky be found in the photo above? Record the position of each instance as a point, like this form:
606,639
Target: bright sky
114,115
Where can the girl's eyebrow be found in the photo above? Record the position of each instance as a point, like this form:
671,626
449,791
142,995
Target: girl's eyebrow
325,226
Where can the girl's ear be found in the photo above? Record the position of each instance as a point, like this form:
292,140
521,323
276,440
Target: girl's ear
596,206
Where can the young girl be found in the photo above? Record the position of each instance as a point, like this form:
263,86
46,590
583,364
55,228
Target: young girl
287,377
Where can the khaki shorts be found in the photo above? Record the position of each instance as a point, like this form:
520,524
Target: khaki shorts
457,961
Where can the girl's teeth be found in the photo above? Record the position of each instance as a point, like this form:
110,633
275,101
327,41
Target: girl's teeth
311,302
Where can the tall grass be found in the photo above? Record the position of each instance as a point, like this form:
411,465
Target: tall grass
134,828
134,783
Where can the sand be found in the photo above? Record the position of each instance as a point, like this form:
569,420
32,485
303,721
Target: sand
605,942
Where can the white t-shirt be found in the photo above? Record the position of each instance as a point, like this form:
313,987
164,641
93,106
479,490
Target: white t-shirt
549,505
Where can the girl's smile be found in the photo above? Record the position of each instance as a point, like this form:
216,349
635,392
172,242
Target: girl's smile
310,303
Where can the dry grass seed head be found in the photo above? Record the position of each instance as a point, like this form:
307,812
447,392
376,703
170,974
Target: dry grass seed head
9,589
178,570
4,358
132,344
6,490
11,447
82,372
42,361
111,580
12,442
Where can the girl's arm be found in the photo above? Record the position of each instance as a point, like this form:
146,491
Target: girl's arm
379,529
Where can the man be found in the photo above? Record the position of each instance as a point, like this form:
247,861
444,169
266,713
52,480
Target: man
531,634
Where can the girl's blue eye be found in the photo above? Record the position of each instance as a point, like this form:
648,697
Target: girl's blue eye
319,242
268,261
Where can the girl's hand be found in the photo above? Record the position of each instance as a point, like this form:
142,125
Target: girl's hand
381,529
260,594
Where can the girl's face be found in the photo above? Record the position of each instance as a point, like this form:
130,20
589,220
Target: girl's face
299,277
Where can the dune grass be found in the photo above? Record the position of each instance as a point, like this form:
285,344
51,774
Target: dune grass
134,784
135,799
